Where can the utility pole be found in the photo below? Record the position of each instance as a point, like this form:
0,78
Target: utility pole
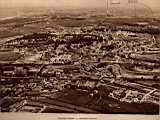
107,3
135,10
133,3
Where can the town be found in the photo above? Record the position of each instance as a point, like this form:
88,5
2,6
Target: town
95,69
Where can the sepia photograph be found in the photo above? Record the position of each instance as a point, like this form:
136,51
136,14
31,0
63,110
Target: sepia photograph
92,57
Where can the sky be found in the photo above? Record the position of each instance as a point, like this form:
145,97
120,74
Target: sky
154,4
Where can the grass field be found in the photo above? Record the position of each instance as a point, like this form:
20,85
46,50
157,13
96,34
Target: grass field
9,56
